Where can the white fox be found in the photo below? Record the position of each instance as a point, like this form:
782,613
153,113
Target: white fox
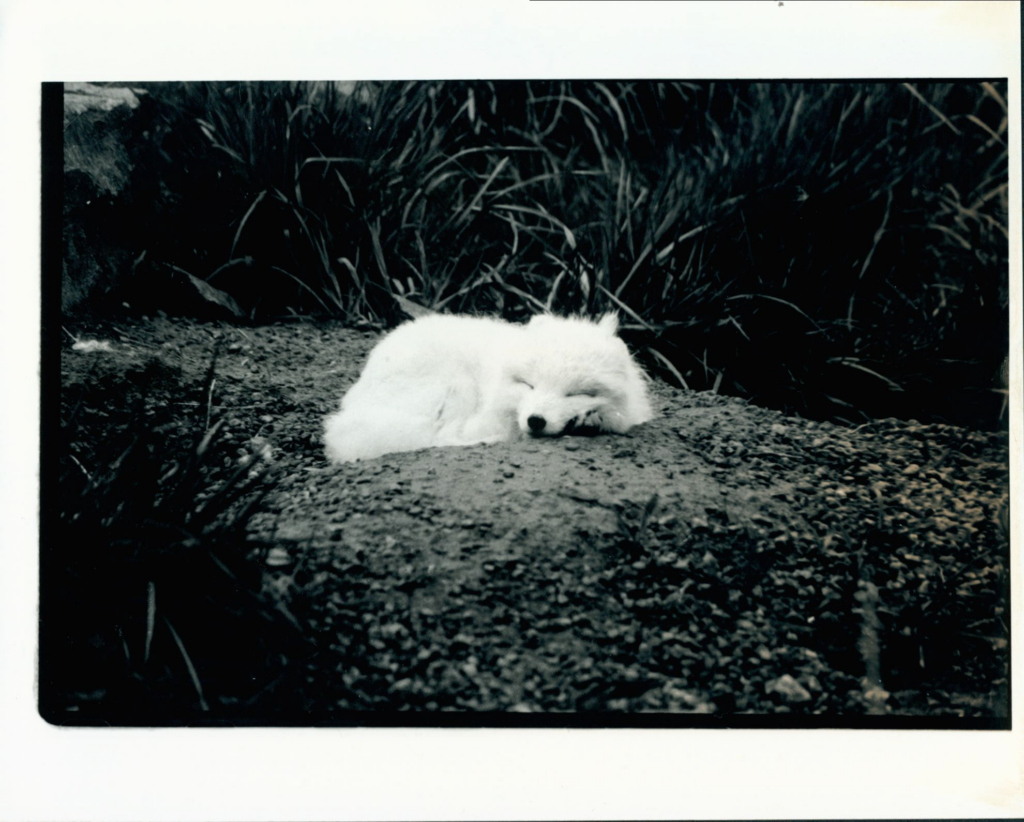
447,379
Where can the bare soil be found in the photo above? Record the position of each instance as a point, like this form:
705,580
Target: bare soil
721,559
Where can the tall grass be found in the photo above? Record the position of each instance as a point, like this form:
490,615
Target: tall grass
834,249
153,608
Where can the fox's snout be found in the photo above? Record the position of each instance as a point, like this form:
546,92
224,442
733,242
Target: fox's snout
537,424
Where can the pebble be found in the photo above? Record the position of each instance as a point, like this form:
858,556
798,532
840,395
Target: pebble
278,558
812,683
788,688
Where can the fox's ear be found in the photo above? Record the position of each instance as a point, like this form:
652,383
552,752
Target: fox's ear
609,323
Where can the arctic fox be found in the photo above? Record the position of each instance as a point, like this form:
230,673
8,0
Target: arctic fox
446,379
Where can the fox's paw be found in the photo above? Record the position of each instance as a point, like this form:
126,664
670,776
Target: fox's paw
586,425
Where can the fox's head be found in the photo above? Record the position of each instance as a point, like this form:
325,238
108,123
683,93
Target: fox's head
576,376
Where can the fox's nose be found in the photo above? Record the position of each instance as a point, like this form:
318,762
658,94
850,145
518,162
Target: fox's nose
536,423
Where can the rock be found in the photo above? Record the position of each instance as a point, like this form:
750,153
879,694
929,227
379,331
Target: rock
102,141
82,97
90,346
812,683
788,688
96,123
278,557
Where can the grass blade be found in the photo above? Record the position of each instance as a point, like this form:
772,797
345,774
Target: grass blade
615,106
304,285
212,294
483,189
229,264
539,212
188,664
910,87
851,362
625,307
668,365
150,617
633,269
777,300
241,225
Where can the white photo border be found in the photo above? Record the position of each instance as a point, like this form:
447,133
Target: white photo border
384,773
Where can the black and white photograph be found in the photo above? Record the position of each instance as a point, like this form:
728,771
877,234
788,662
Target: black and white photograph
625,402
666,404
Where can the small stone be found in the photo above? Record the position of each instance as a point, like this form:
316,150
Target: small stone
876,697
911,469
788,688
812,683
278,558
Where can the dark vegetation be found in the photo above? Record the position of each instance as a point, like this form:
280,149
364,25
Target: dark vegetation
837,251
156,598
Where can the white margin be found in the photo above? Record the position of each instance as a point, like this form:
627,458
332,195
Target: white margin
49,773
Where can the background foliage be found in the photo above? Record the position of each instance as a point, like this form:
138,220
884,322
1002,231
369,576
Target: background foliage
837,250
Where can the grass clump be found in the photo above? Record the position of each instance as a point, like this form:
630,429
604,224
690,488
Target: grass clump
152,610
837,250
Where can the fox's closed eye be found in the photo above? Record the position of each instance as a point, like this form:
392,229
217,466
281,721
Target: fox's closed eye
521,381
585,392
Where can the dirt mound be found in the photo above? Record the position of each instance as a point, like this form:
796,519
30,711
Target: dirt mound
721,559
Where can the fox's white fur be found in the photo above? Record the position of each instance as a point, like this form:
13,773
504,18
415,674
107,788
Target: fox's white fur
458,380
